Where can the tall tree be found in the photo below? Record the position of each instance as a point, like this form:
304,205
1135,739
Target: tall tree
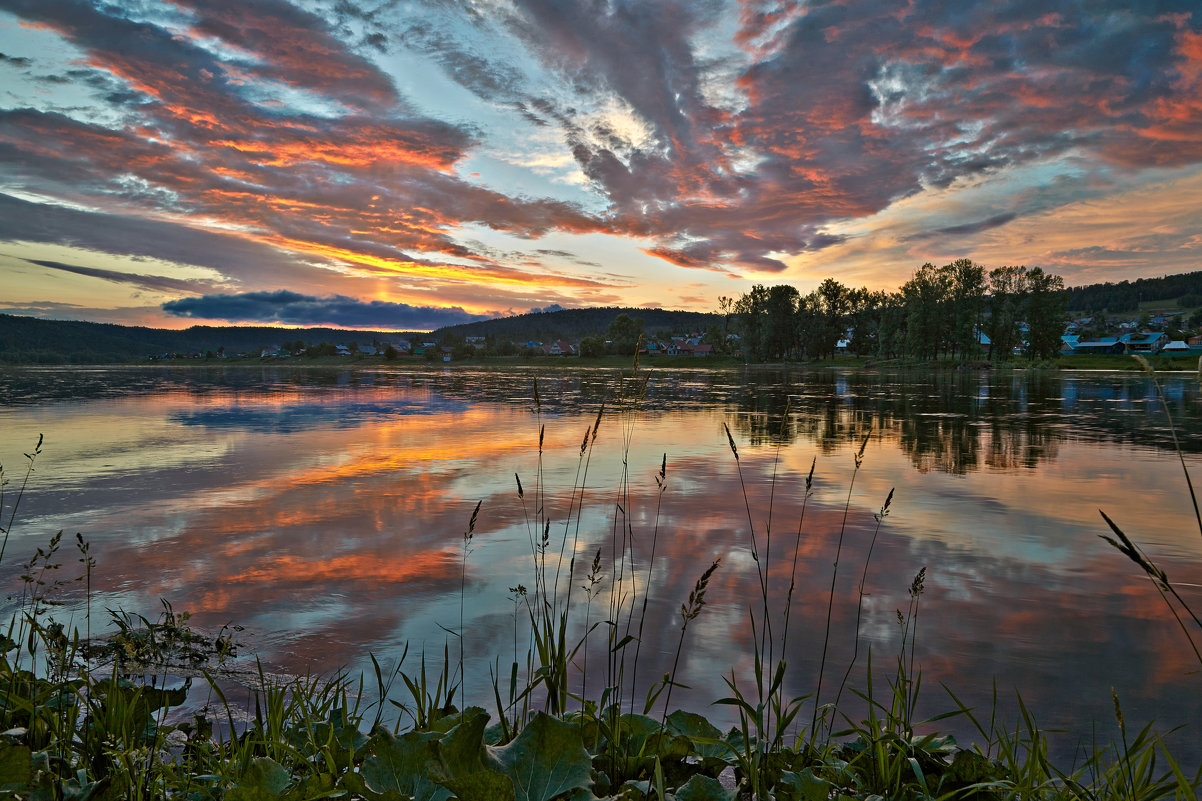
1007,297
967,306
780,333
624,334
1046,314
833,304
749,311
926,296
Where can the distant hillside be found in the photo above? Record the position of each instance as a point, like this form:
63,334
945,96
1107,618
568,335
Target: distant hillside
573,324
30,340
1125,296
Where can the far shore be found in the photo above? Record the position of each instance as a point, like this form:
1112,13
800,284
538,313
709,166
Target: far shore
1189,362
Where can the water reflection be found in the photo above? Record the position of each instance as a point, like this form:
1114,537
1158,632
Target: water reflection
324,509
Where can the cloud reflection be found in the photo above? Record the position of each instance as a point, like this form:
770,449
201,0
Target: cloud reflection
342,533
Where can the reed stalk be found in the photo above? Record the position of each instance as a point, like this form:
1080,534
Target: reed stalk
826,637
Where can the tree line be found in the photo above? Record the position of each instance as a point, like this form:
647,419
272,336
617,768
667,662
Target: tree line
1125,296
941,311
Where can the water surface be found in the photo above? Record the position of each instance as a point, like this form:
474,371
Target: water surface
324,510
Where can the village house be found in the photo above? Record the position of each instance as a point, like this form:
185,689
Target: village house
1146,342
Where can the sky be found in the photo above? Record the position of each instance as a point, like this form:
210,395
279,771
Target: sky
407,165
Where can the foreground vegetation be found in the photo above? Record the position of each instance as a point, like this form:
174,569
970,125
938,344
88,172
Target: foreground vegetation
110,718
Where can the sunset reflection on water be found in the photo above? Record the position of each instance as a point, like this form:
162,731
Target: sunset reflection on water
324,511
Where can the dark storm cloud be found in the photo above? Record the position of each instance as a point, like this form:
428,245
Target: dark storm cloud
16,61
293,308
965,229
152,282
24,221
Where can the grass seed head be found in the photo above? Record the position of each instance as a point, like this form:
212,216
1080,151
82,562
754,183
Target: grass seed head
917,586
696,602
860,452
597,422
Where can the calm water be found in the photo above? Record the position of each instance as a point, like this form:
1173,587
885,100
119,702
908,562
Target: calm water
324,511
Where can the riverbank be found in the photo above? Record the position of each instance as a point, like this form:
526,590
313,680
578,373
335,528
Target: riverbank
1119,362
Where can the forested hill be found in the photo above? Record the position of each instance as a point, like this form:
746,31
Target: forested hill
573,324
1185,288
30,340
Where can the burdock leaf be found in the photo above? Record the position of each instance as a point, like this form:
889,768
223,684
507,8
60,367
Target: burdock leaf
265,779
548,758
704,736
703,788
461,767
397,766
16,767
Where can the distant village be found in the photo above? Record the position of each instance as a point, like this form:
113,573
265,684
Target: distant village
1151,334
689,345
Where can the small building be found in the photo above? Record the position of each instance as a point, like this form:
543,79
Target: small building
1146,342
1099,345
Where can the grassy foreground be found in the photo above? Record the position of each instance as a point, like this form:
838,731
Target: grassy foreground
91,718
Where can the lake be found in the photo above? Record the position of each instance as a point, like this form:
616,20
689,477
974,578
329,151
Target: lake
324,510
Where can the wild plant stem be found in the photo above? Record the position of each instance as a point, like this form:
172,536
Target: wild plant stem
37,450
755,553
855,653
826,637
1176,444
796,552
661,481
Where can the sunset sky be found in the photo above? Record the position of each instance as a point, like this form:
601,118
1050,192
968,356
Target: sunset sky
407,165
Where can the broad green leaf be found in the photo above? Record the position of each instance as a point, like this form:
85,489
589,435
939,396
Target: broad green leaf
400,766
482,785
802,786
354,784
704,736
547,758
969,767
16,767
703,788
461,750
460,764
264,780
321,785
79,788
